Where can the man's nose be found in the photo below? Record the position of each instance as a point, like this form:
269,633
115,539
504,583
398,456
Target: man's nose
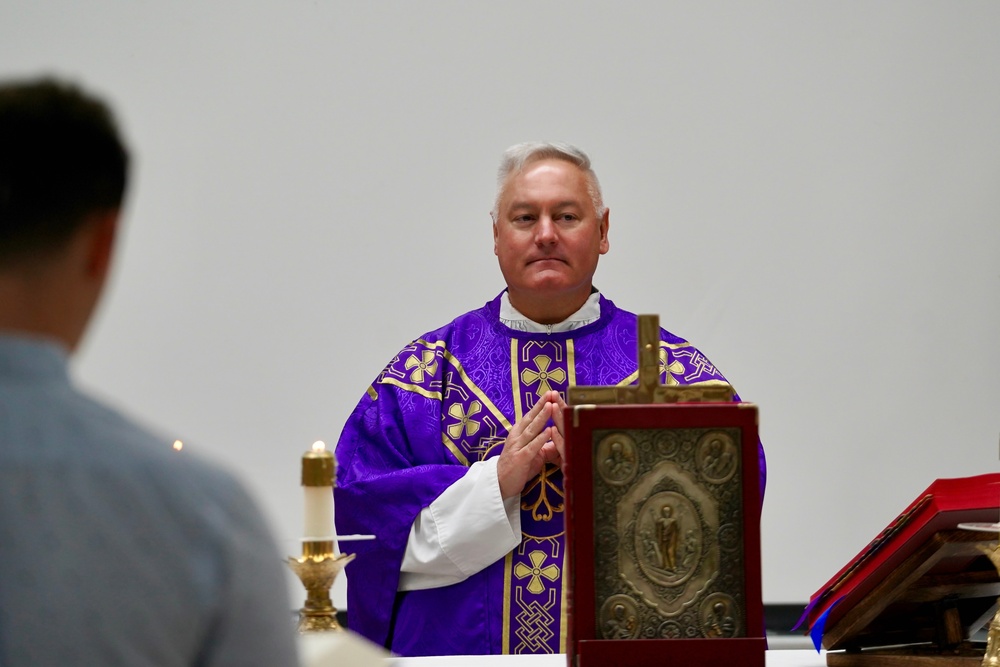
545,231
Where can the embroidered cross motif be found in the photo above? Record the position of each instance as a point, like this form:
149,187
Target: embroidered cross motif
536,572
427,364
465,421
673,368
543,374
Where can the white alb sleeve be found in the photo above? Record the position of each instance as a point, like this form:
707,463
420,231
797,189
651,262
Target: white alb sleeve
468,527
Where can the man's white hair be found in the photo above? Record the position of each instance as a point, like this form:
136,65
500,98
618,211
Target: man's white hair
519,156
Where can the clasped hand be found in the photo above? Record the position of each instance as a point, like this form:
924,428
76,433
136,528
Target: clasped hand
536,440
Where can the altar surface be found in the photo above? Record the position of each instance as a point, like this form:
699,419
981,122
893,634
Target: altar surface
777,658
335,649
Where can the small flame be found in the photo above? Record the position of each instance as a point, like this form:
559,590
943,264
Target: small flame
319,446
178,445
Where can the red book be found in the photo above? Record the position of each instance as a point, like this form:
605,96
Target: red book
605,506
942,506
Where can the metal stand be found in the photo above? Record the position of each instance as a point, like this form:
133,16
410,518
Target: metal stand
317,569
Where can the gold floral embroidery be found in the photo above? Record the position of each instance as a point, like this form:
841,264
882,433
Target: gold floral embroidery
426,365
465,421
673,368
543,374
536,572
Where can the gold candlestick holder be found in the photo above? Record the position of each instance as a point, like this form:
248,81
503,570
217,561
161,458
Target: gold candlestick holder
317,569
992,656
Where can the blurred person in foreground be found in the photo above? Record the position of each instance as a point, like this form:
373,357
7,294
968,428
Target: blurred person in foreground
114,548
452,459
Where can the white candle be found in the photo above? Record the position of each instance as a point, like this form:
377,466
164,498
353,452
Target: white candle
318,469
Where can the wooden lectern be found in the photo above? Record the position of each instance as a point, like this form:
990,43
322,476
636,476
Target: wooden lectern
663,523
921,591
921,613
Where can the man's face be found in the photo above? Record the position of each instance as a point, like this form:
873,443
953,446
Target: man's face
548,238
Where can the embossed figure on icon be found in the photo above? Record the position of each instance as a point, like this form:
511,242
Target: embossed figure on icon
619,618
718,618
616,459
691,548
720,624
620,461
666,538
621,625
717,457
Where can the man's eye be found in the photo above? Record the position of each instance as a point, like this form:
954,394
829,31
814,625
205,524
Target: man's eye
568,217
523,219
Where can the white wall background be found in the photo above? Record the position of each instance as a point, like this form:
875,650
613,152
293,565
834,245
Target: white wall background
809,191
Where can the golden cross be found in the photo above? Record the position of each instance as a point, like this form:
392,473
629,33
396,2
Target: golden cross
648,389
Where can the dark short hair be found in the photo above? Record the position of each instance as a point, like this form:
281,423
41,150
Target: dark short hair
61,159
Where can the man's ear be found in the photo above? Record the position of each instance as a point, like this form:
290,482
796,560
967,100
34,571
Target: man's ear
101,243
496,250
605,223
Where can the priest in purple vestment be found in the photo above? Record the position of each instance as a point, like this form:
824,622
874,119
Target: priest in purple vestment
452,458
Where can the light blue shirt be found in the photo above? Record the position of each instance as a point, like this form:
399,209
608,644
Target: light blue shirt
114,548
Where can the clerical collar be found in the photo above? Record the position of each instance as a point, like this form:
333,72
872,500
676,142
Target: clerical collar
590,312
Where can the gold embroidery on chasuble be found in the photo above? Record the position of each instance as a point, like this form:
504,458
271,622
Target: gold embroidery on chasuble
534,601
415,369
670,368
537,570
542,374
420,365
471,423
538,600
534,609
465,424
696,365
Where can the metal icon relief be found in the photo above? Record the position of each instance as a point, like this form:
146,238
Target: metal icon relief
617,459
717,457
668,518
668,538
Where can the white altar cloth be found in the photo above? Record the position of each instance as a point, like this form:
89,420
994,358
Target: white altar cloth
347,648
776,658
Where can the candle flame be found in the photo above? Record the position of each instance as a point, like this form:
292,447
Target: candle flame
319,446
178,445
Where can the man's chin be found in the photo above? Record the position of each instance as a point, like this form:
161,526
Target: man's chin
552,285
549,281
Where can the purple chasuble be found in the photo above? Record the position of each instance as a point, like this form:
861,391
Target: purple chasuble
444,402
